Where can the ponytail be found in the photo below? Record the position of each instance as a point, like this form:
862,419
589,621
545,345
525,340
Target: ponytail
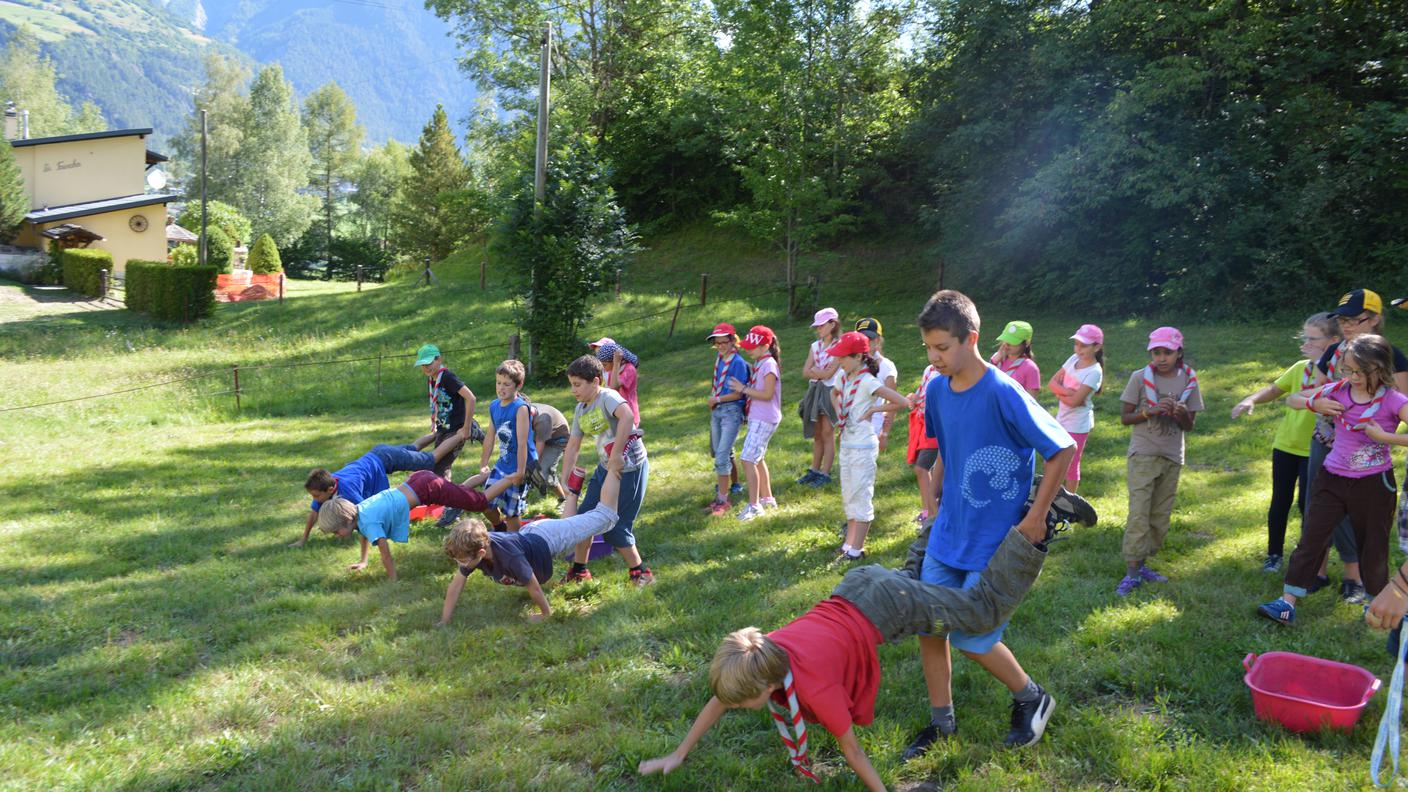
1100,361
775,350
870,363
1026,350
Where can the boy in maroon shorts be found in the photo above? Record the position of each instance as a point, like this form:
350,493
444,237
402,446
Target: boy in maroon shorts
386,516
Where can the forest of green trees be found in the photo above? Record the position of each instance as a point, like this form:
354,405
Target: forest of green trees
1224,157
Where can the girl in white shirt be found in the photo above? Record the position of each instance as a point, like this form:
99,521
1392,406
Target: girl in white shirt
1081,377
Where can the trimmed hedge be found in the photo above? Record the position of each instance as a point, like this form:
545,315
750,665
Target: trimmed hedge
171,291
81,270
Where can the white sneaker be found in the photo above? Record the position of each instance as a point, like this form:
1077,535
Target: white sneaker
771,503
749,512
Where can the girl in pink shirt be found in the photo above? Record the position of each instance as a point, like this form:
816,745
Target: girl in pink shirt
1014,356
764,411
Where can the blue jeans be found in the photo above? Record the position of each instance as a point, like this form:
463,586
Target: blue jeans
941,574
724,423
632,496
403,457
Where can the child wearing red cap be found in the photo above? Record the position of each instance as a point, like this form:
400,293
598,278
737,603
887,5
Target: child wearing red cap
857,397
1161,402
764,410
725,410
1080,377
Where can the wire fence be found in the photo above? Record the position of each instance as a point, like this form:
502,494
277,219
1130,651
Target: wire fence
116,293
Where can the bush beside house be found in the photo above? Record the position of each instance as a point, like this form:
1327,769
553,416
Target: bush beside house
82,270
171,291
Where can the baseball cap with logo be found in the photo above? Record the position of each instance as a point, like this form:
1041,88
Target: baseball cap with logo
1016,333
427,354
1359,301
870,328
1166,337
758,336
851,343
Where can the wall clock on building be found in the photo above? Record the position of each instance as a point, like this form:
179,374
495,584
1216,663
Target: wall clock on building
137,223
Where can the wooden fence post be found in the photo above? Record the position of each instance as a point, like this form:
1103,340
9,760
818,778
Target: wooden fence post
378,375
103,284
483,273
618,284
359,277
703,288
678,302
236,371
281,287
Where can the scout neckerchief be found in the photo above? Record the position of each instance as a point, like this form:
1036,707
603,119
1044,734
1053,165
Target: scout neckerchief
788,722
721,369
1369,412
1307,377
1151,394
1006,366
848,398
1334,363
820,359
434,411
758,378
929,373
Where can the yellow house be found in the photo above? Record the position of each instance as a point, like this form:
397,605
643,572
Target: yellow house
91,188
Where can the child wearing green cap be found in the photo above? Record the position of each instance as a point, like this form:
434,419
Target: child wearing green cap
1014,356
451,407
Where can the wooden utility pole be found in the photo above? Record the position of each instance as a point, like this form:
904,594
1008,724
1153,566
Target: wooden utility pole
204,131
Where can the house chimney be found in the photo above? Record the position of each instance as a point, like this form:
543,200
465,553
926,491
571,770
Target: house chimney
24,125
12,121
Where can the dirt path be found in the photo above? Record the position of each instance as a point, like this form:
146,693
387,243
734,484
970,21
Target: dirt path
19,302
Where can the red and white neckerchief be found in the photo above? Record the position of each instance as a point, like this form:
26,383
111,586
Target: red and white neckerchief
434,386
1334,363
1364,418
754,380
1151,394
929,373
721,368
1003,363
1307,377
790,722
848,398
820,359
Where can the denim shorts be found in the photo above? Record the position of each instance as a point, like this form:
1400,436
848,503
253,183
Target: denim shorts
724,423
935,571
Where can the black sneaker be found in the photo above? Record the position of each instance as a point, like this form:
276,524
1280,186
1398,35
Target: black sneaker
925,740
1320,582
1272,563
1066,508
476,432
1352,592
448,517
1029,719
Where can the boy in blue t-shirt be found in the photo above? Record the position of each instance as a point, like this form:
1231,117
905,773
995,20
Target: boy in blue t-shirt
451,408
512,418
988,429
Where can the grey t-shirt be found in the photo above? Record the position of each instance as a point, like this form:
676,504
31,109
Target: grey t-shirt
598,420
1160,435
549,423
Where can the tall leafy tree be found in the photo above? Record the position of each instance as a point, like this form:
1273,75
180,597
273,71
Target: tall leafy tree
377,178
224,97
268,190
14,200
28,79
436,208
812,88
330,120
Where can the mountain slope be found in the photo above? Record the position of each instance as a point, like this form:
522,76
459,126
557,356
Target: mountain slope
140,60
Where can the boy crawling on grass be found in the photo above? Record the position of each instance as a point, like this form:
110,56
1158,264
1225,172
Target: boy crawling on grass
366,476
386,516
525,558
823,666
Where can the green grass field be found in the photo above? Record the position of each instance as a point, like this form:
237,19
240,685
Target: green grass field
156,633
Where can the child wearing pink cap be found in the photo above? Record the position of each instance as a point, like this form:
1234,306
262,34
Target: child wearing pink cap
1080,378
1161,402
817,411
764,412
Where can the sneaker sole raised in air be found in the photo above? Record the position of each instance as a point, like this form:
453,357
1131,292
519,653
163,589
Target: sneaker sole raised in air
1039,722
1072,506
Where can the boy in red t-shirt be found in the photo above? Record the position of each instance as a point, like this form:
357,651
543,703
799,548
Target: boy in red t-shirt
823,666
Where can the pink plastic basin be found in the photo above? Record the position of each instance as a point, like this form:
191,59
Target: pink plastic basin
1306,694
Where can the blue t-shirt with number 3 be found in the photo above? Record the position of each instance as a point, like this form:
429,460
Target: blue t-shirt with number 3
988,436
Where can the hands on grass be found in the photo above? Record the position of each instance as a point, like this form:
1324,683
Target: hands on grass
662,765
357,566
298,543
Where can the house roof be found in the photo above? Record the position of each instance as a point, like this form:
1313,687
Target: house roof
175,233
111,133
50,214
153,158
